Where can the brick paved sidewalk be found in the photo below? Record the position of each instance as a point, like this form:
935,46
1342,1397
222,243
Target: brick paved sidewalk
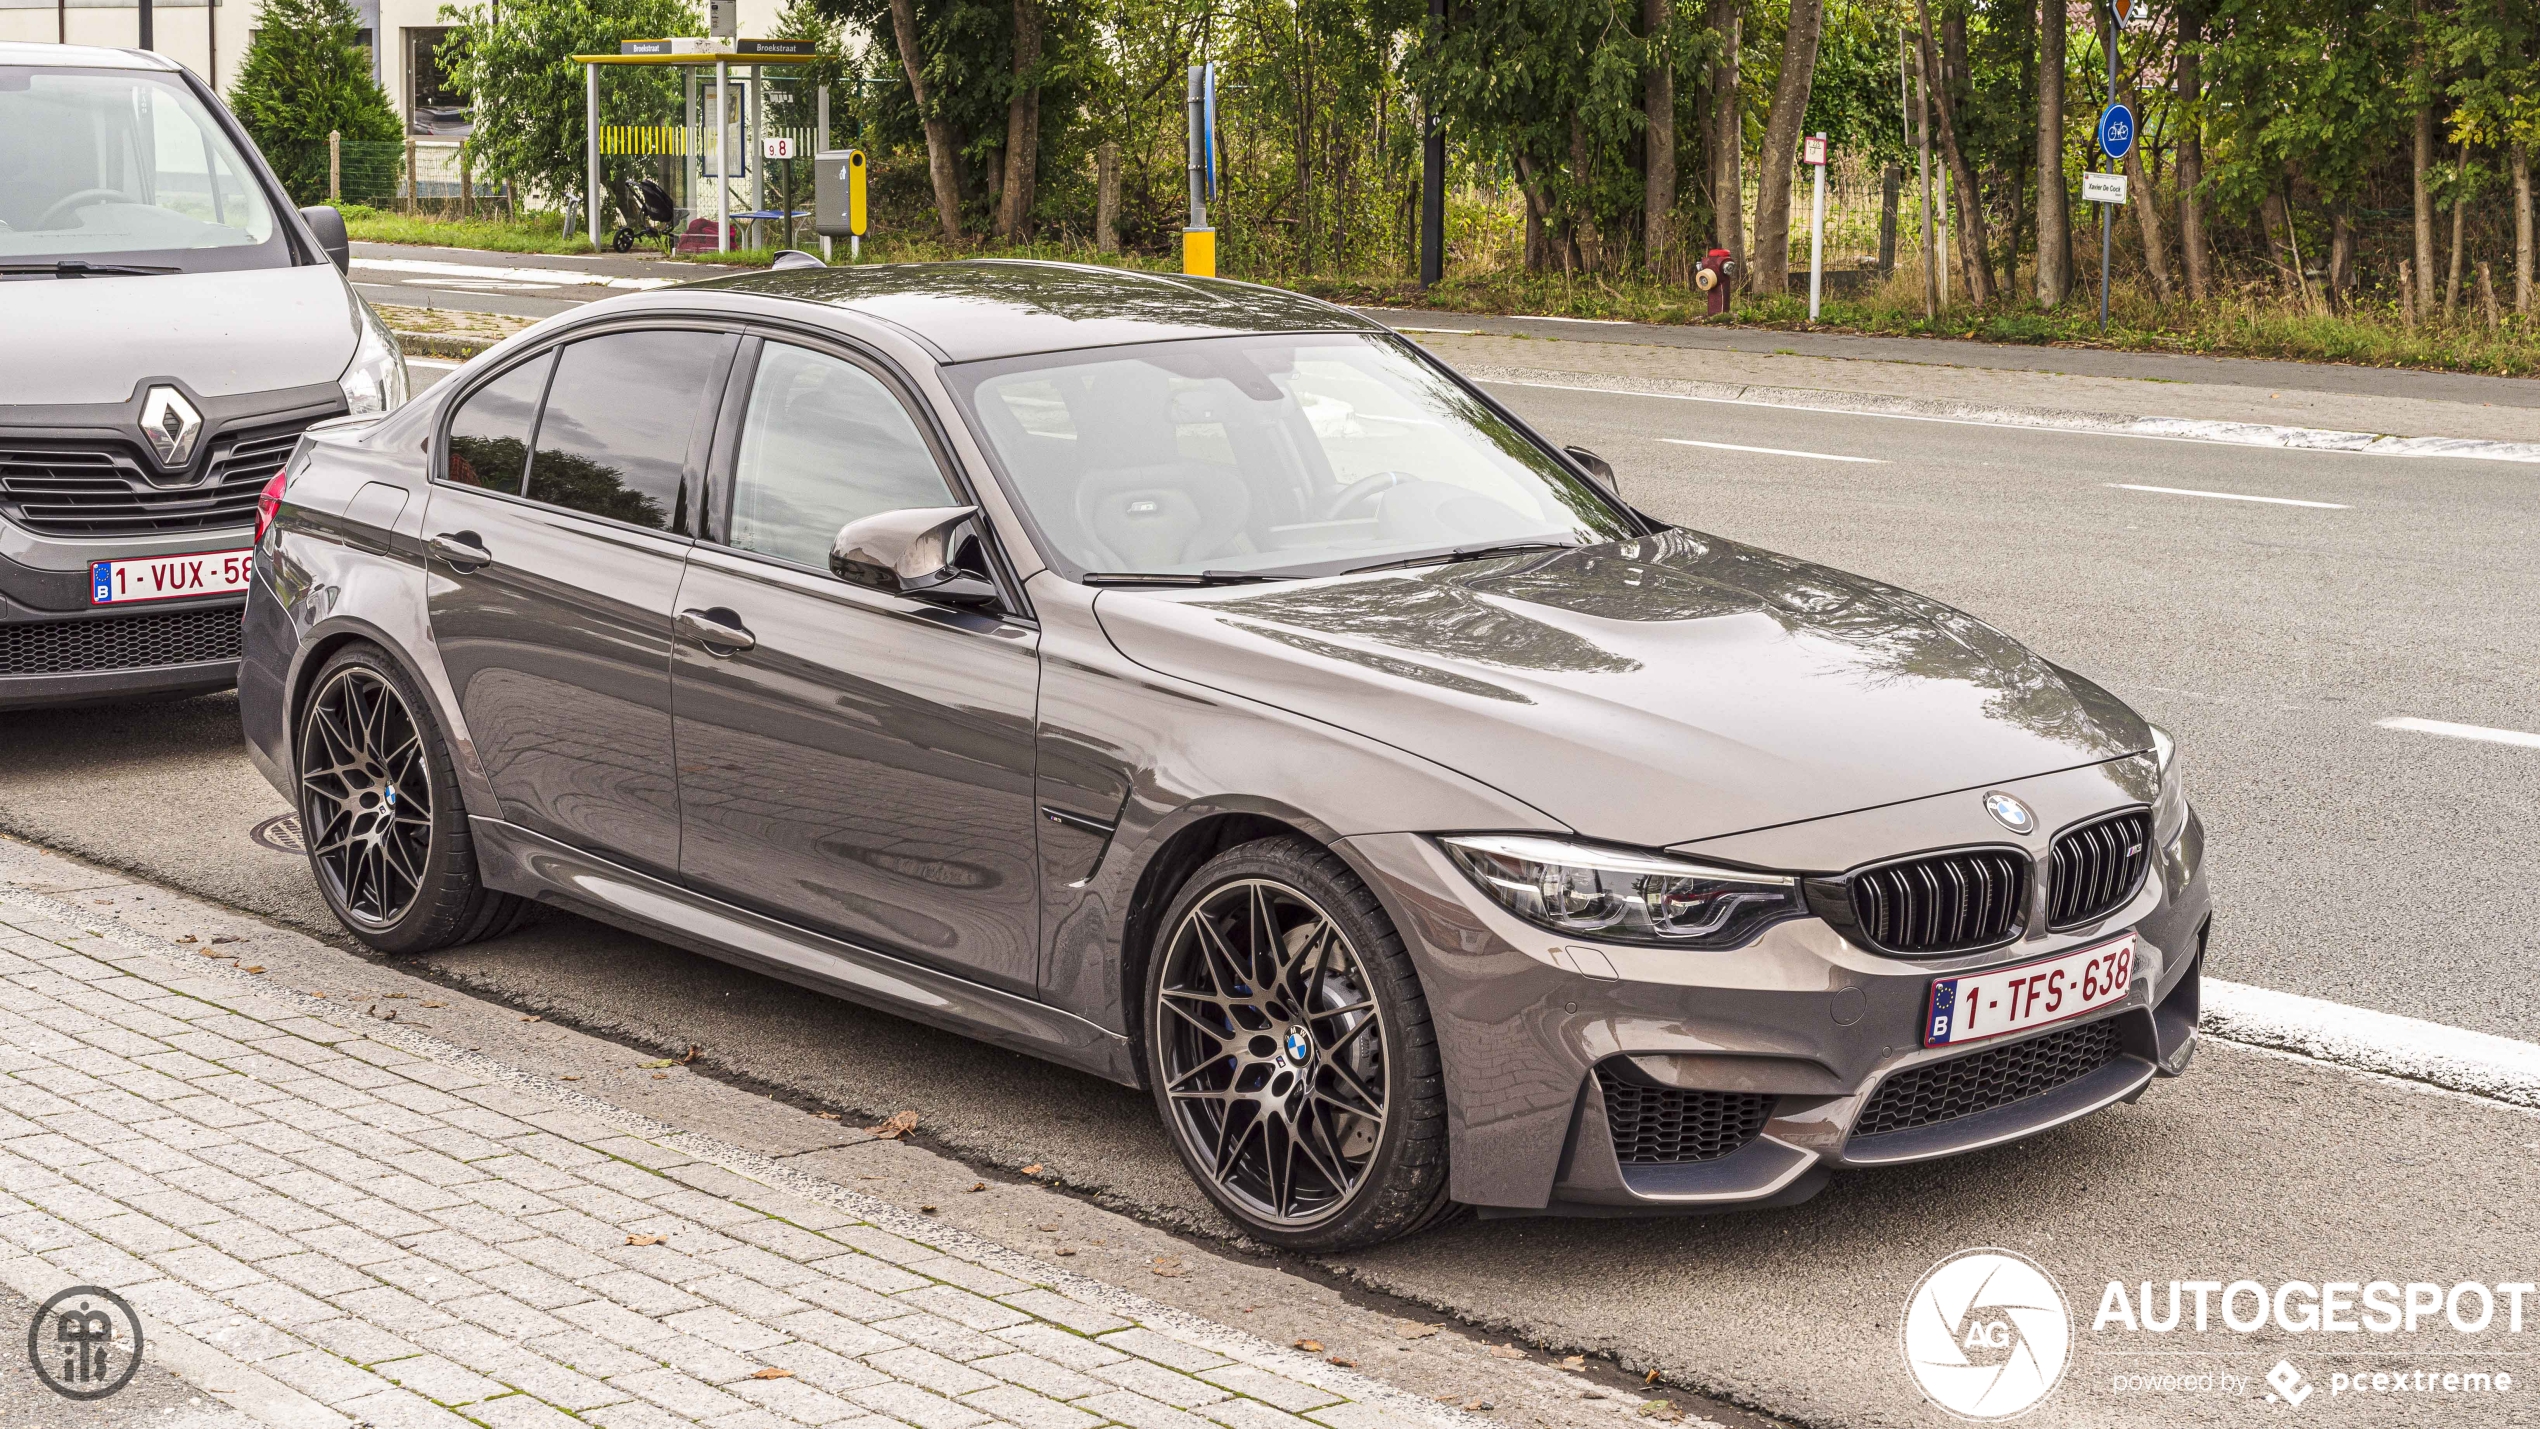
326,1228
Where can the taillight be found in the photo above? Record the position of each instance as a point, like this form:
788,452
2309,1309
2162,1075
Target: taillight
269,503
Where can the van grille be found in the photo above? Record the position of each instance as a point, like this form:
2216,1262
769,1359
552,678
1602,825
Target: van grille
73,488
2098,867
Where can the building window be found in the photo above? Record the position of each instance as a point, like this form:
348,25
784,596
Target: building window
434,103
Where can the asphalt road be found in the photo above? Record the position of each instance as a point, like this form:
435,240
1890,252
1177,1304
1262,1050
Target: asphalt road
2352,862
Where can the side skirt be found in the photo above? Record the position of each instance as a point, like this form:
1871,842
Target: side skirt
532,865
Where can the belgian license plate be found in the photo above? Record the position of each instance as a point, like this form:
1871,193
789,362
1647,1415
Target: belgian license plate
169,577
1983,1005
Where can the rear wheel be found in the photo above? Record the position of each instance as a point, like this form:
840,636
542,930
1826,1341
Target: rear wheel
380,815
1291,1051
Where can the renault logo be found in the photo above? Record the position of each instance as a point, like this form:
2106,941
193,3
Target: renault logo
2010,813
170,424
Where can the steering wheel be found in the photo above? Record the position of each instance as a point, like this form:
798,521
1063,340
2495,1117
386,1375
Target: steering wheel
71,202
1363,492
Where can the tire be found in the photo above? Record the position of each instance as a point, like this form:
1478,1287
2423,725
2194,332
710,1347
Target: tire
1302,1090
401,880
623,240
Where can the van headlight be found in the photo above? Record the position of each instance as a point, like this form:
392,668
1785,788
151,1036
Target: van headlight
376,380
1624,896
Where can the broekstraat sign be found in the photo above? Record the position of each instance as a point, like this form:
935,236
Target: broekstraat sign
1988,1335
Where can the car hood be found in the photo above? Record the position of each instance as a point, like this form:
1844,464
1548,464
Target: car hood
1651,691
220,334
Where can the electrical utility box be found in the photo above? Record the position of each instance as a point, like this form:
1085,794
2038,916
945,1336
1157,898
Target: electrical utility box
838,193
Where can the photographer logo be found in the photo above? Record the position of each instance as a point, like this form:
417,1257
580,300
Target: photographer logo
85,1343
1987,1334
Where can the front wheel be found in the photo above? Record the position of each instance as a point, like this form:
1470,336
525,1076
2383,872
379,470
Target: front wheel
623,240
1291,1052
380,813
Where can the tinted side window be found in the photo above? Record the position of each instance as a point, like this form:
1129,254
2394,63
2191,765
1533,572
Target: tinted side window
489,433
823,444
614,439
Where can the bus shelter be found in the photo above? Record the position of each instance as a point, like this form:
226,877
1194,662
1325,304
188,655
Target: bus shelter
734,95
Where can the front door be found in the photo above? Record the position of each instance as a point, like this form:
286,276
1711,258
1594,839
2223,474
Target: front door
862,766
557,535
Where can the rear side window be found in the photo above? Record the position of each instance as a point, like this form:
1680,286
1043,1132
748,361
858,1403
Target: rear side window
615,435
824,443
489,433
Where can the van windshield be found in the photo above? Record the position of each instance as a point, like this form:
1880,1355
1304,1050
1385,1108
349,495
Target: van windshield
125,167
1264,457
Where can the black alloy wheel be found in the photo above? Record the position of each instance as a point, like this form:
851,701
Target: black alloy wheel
1283,1055
365,800
380,813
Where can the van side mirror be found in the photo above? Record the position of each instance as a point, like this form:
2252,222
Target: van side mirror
328,225
910,553
1597,467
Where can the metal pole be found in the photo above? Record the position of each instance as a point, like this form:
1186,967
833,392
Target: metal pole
827,254
754,153
1433,171
1817,242
2105,210
722,162
1197,146
148,35
591,138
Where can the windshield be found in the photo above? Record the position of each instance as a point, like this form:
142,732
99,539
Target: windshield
124,166
1265,456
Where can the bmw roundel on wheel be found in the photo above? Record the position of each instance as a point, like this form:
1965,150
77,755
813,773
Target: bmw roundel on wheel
1202,687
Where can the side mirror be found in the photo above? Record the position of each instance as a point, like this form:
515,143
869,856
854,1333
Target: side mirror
909,553
328,225
1596,467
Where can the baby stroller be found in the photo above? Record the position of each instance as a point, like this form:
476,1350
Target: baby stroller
655,201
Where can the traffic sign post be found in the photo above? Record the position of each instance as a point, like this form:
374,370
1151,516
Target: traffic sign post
2116,140
1813,154
780,149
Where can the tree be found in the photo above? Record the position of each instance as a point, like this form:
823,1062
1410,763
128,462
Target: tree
2054,200
516,59
943,156
1022,126
1781,145
1975,253
306,75
1658,103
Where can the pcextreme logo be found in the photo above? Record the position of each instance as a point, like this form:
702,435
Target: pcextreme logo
1987,1334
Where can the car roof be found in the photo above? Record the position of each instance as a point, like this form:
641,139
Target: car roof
81,57
1000,307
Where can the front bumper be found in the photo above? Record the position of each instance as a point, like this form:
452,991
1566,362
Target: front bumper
1786,1042
56,649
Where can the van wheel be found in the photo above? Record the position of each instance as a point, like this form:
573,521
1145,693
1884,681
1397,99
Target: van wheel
1291,1052
380,813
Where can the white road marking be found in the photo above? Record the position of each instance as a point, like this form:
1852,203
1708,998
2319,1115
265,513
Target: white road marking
2226,496
430,362
1771,451
487,273
2143,429
2481,733
1549,318
2479,1063
1444,331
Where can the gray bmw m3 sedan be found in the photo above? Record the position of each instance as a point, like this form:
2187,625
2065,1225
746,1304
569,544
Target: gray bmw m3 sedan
1200,686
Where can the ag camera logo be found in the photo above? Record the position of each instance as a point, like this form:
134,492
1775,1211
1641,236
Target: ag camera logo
1987,1334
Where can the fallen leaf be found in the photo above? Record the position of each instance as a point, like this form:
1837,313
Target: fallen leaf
1473,1405
208,953
897,1127
1650,1378
824,1116
868,1178
562,1079
1446,1398
1032,1170
391,997
1311,1347
771,1372
1052,1226
186,938
1507,1352
389,1016
253,968
645,1239
1660,1410
1345,1364
1170,1267
929,1210
101,900
661,1076
223,938
1576,1364
1064,1250
1592,1394
533,1018
1413,1329
664,1062
975,1187
693,1051
317,994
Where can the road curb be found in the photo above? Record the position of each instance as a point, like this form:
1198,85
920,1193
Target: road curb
441,344
2480,1064
2058,419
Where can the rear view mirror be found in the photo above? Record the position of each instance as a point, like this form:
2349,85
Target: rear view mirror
332,241
1597,467
910,553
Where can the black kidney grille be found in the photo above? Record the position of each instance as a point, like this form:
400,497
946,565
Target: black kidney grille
104,488
2098,867
1947,903
122,642
1996,1076
1661,1126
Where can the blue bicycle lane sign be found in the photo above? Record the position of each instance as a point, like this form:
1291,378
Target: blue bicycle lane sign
2116,131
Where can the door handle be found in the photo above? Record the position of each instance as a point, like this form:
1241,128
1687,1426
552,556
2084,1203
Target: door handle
460,549
718,630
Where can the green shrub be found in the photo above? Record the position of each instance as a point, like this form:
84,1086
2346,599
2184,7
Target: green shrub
306,75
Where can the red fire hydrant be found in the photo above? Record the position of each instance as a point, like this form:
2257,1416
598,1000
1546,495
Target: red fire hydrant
1711,277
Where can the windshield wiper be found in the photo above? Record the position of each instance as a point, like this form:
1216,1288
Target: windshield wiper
1467,553
1179,578
79,268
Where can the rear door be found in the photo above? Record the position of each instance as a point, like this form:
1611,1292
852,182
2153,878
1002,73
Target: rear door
862,768
557,531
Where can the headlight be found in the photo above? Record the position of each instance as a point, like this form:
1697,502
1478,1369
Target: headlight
376,380
1622,896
